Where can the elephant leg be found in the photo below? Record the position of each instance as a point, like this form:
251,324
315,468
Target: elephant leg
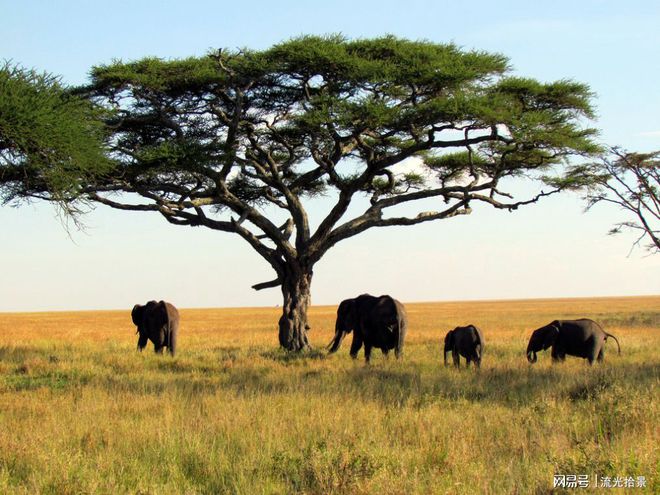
356,345
559,358
476,357
367,352
386,353
158,349
591,357
171,340
468,360
456,358
557,355
601,355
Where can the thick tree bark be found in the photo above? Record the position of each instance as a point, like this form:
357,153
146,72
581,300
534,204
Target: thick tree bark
296,290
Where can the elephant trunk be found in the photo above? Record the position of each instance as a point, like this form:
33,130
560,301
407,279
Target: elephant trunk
531,356
336,341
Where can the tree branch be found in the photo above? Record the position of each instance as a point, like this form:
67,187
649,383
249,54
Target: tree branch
268,285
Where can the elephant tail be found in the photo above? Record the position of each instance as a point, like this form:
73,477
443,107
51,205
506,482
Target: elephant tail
169,336
615,340
334,344
609,335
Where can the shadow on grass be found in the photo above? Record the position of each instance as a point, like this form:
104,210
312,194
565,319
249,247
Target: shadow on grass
392,383
56,380
296,358
20,354
506,386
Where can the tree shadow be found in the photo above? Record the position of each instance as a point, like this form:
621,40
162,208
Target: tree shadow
389,382
514,387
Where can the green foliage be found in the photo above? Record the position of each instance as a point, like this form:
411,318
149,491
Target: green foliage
243,128
390,61
50,140
329,98
174,77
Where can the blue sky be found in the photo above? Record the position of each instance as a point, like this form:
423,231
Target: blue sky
548,250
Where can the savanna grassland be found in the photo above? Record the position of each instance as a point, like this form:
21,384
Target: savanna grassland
82,412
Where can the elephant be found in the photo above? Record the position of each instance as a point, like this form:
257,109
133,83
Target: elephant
379,322
583,338
467,342
158,322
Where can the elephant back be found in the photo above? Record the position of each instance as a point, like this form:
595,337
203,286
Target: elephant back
172,312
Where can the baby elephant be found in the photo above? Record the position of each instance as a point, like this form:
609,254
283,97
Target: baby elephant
467,342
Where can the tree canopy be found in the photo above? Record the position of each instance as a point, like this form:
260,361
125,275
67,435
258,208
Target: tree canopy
50,140
238,141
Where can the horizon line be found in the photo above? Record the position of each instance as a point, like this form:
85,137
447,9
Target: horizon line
445,301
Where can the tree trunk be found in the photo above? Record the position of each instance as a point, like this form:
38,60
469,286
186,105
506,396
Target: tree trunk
296,289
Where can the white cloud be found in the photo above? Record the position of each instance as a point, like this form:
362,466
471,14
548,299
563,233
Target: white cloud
650,134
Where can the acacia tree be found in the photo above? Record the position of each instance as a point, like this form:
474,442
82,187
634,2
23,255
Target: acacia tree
238,141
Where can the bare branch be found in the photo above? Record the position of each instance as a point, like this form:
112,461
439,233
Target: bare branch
268,285
122,206
630,181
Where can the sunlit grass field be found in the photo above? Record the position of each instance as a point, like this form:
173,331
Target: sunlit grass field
81,411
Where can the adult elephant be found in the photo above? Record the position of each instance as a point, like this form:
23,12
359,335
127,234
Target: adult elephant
582,338
467,342
378,322
158,322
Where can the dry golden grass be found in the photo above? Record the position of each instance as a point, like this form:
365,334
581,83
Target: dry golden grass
83,412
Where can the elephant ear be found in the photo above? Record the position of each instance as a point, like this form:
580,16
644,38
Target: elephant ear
347,315
137,314
550,335
160,313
